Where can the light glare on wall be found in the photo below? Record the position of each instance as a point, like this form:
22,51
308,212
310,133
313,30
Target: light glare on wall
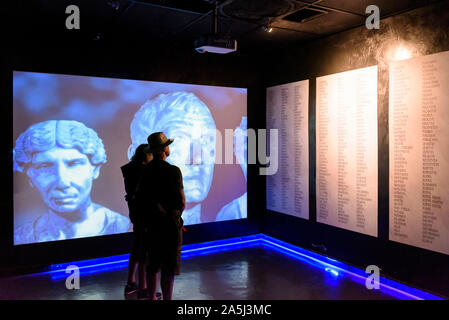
401,53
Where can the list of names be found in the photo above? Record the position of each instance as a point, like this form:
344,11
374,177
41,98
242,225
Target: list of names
346,135
419,152
287,111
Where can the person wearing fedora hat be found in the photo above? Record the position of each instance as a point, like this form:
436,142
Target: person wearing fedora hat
160,200
156,142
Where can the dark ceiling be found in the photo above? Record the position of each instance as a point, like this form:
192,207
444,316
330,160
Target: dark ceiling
181,21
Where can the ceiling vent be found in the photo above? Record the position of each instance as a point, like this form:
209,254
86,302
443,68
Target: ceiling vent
194,6
305,14
257,9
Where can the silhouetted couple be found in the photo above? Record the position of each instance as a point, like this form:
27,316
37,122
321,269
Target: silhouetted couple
156,200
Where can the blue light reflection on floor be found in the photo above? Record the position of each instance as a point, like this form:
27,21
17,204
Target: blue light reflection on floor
92,266
387,286
332,267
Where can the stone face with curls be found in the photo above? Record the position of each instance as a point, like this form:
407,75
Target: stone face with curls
61,159
67,134
164,111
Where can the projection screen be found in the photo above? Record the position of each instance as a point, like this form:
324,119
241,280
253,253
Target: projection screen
71,135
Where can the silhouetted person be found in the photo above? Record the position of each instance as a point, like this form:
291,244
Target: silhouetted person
132,172
161,200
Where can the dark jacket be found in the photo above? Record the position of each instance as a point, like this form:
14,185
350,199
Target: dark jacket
132,172
159,194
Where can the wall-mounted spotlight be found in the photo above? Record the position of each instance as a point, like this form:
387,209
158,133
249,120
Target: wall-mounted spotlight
267,28
114,4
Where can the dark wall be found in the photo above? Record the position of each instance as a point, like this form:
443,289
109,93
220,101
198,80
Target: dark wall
163,62
423,31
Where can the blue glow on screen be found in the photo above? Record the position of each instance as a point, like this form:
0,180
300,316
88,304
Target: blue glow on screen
73,133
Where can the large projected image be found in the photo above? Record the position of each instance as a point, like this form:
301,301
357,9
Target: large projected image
73,133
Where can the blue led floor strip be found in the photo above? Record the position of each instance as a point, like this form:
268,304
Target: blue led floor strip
334,267
91,266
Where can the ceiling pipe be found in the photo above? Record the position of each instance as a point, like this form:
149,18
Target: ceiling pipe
194,21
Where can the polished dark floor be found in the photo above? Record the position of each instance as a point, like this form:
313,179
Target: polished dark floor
249,273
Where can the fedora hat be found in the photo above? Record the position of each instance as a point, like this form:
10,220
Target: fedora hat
157,141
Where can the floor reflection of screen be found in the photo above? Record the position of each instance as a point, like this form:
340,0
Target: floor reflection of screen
73,133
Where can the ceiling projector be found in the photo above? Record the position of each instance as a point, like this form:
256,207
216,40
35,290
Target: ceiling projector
215,44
